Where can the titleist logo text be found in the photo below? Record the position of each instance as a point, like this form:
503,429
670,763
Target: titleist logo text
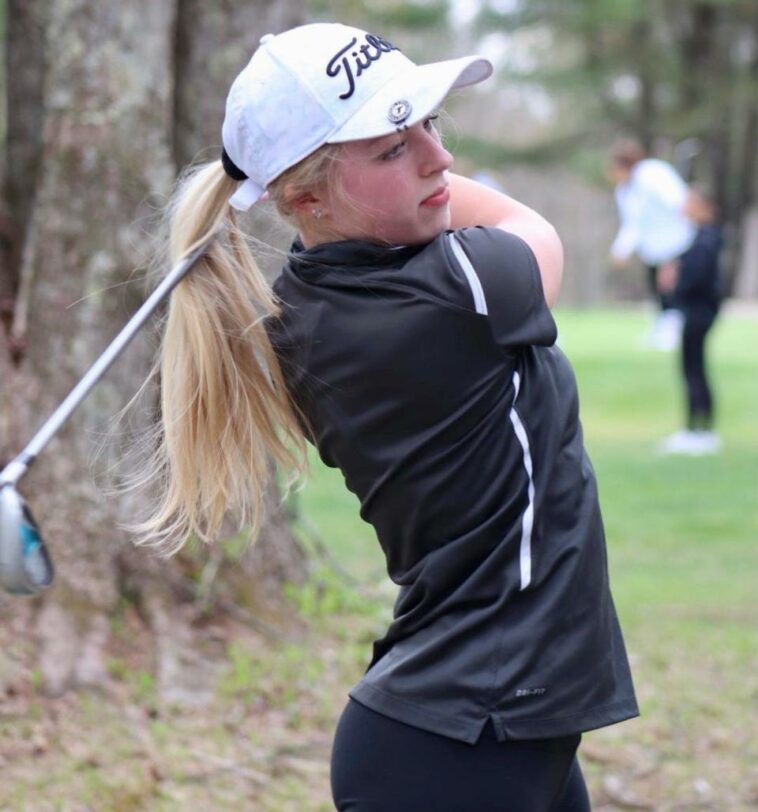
361,60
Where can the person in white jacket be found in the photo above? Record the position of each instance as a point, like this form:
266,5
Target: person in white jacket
650,196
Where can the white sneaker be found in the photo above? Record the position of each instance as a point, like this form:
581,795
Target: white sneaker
666,334
681,442
708,442
693,443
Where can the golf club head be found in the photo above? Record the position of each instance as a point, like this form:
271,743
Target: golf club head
25,566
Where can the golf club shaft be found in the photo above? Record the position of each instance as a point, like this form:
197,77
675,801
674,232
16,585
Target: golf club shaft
18,466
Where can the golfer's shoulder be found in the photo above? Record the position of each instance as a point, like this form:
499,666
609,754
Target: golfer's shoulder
498,257
489,241
502,271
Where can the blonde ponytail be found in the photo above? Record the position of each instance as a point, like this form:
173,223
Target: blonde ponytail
225,412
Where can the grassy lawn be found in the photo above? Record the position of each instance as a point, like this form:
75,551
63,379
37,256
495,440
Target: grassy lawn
682,538
682,535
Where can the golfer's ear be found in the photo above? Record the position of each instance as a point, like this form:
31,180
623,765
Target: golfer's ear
300,201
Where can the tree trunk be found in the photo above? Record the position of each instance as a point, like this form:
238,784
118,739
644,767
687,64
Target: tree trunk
83,180
25,24
647,113
213,43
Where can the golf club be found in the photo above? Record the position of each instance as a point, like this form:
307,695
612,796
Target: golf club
25,565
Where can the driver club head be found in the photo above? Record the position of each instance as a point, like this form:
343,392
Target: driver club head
25,566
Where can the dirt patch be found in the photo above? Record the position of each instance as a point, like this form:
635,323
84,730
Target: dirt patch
262,740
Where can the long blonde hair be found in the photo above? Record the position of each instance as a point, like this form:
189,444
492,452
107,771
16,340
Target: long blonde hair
225,411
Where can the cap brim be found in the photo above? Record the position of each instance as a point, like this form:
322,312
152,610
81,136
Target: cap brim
424,87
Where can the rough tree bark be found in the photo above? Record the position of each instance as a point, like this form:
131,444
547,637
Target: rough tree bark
95,110
24,24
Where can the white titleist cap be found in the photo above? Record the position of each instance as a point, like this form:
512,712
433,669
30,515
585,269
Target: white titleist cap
326,83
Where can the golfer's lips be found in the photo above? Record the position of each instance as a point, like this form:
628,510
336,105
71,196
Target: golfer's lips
439,197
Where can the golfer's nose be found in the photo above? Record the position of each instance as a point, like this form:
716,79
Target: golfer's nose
435,157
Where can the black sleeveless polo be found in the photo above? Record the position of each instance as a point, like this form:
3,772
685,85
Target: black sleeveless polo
430,377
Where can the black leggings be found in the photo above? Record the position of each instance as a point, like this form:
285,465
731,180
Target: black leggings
699,398
380,765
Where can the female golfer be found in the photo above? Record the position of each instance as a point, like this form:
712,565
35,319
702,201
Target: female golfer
409,338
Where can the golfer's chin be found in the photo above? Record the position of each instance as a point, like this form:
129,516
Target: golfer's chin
430,224
417,228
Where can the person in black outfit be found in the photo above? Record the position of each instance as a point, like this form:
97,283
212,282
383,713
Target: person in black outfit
409,337
694,282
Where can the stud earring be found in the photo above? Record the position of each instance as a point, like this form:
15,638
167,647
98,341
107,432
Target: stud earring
317,213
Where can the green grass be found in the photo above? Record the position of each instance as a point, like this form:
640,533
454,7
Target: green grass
681,530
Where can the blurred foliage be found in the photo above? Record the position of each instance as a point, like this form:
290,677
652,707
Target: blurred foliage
326,592
661,70
548,151
384,14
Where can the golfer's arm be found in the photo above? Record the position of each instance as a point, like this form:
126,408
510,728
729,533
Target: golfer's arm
474,204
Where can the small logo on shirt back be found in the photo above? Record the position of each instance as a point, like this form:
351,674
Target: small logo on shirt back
524,692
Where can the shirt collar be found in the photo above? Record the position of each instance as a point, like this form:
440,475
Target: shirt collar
348,256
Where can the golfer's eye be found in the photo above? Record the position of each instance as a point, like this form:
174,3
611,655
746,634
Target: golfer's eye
429,124
393,152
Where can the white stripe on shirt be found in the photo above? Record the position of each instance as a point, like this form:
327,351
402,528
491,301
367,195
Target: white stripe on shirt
525,553
476,286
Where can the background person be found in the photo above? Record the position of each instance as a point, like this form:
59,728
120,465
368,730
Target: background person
694,283
650,197
409,338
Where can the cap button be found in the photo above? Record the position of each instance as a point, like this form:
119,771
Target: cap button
399,111
266,38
